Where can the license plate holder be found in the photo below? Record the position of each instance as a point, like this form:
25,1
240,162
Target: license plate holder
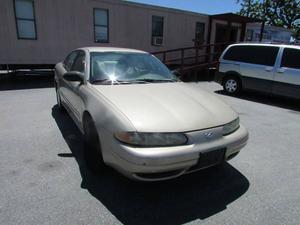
211,158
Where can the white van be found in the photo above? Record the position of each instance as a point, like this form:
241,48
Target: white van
269,68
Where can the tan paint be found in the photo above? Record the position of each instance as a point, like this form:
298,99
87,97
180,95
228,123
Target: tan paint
65,25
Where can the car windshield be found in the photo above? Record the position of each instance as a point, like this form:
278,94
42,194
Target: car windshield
126,68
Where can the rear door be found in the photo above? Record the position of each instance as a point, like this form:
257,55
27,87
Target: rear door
256,65
287,75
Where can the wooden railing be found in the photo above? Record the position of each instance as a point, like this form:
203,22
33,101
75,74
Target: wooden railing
209,54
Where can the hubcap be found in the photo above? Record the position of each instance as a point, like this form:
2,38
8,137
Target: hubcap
231,85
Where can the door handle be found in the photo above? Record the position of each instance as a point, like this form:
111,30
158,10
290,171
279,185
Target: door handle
280,70
269,68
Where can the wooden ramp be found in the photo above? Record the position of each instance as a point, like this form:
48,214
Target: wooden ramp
193,62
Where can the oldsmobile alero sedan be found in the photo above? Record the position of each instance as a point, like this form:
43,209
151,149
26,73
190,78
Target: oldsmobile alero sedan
138,118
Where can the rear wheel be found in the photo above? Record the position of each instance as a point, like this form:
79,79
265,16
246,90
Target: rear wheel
232,85
92,148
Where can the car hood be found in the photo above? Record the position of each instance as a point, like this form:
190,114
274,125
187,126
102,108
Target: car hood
167,107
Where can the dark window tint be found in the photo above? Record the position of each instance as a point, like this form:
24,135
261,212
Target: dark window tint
249,35
25,19
262,55
69,61
79,63
157,26
291,58
200,30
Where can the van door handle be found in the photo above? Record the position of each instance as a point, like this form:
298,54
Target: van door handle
269,68
280,70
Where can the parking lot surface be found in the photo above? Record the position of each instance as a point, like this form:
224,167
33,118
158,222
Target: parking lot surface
44,178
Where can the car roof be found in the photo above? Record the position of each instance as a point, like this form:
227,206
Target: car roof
110,49
267,44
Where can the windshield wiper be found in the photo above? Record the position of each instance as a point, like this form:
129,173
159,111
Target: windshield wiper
156,80
109,81
137,81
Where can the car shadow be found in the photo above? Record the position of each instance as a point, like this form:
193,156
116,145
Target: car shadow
190,197
278,101
26,81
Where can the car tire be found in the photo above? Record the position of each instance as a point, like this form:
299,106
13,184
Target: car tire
232,85
58,99
92,148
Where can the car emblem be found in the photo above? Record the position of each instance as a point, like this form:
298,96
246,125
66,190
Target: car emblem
209,135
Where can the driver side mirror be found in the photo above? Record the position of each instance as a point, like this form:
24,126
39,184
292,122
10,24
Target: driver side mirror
74,76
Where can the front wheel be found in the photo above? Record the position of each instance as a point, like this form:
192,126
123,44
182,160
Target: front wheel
92,146
232,85
58,99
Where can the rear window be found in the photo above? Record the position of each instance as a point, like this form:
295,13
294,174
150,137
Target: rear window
262,55
291,58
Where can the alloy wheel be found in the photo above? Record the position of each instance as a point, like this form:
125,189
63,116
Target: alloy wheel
231,86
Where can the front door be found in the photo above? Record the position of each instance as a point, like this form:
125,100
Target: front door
70,90
287,75
222,38
221,34
75,87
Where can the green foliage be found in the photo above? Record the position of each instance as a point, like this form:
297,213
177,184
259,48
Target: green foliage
282,13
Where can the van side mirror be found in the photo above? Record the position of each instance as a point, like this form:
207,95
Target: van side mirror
74,76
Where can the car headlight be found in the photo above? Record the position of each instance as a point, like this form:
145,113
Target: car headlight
151,139
231,127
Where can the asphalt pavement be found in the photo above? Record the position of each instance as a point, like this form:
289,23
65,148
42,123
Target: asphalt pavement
44,178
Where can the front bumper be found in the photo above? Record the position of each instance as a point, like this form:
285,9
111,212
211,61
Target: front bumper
150,164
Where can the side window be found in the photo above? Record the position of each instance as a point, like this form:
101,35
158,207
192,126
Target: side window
79,63
70,60
25,19
290,58
261,55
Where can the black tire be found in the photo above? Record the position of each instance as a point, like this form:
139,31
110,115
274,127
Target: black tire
232,85
58,99
92,147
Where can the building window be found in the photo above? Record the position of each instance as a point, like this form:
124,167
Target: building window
249,35
25,19
199,34
157,30
101,28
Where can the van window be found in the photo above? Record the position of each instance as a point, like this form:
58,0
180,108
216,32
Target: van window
290,58
262,55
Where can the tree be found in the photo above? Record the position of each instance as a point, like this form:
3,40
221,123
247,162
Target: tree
282,13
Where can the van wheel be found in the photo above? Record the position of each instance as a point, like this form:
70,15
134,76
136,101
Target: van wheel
232,85
92,148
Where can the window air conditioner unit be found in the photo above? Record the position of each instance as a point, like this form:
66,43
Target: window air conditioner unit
157,41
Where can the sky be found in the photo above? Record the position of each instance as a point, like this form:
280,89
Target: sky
200,6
